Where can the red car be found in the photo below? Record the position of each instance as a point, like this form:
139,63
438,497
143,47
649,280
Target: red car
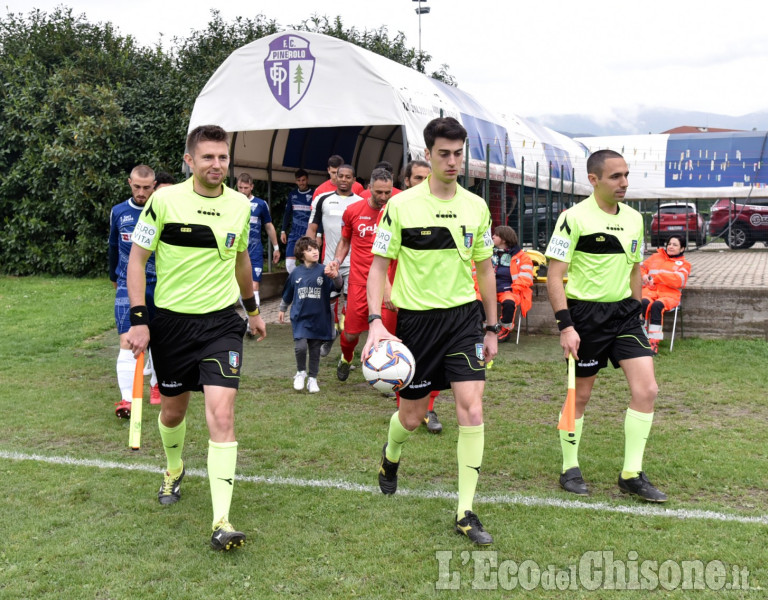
679,218
740,222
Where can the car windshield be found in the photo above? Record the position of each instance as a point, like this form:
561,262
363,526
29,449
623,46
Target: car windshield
677,210
756,202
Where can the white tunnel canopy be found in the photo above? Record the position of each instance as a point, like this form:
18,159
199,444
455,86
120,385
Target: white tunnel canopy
292,99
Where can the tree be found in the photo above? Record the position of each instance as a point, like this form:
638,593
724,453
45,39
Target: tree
298,78
81,105
66,138
443,75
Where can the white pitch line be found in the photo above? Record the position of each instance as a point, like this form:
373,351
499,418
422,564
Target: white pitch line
515,499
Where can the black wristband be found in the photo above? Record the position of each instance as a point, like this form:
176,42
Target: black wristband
139,315
372,318
563,318
249,304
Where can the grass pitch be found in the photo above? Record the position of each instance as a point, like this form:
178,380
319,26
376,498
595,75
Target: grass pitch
81,519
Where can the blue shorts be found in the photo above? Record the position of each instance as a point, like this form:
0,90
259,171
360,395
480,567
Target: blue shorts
257,262
123,305
290,247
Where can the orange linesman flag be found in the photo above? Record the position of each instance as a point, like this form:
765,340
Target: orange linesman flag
134,427
568,414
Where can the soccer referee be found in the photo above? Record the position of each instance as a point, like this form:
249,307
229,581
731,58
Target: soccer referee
599,243
435,230
199,233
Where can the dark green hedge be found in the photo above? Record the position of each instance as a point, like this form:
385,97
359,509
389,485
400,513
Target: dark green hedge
80,105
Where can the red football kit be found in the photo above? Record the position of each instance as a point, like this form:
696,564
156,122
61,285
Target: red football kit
359,227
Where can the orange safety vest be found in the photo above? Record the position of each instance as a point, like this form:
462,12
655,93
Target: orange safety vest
670,275
521,270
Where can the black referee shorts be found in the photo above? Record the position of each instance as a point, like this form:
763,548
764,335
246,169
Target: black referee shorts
608,330
447,345
190,351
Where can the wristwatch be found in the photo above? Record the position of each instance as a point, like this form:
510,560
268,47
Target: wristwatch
493,328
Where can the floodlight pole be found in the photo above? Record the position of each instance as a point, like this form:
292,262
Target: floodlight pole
421,10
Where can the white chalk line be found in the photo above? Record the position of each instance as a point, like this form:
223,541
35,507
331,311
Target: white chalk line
514,499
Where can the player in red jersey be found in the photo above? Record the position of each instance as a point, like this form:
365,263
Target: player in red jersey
384,164
357,234
329,185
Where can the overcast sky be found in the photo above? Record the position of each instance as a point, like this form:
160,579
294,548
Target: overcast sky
531,58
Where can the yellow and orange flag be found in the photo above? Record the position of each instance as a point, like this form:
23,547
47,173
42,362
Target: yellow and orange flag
134,433
568,414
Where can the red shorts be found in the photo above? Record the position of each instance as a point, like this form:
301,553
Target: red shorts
356,319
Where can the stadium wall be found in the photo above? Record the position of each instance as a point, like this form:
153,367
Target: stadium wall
708,312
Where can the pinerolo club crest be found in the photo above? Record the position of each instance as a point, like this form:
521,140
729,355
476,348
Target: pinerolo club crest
289,67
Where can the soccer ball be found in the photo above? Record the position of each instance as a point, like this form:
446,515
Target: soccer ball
389,367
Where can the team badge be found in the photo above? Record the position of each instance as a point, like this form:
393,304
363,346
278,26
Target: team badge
634,245
289,67
230,240
679,263
319,281
479,352
234,360
468,238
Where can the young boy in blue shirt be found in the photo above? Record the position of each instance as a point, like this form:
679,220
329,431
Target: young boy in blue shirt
308,290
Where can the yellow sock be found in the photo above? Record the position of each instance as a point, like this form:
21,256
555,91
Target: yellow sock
173,444
569,444
469,453
637,427
222,459
398,435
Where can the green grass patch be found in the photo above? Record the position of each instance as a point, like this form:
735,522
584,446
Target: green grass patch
80,531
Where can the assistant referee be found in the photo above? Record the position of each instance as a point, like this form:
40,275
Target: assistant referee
599,243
